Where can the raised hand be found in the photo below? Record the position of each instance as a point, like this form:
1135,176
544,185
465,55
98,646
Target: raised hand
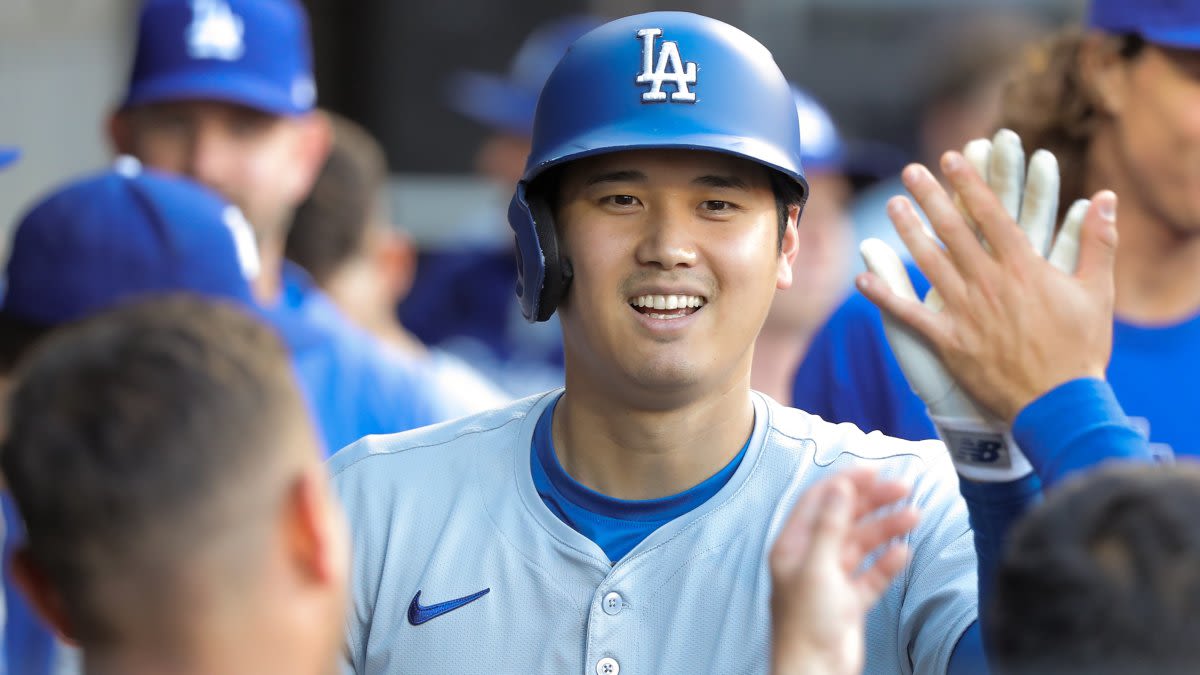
1010,319
821,588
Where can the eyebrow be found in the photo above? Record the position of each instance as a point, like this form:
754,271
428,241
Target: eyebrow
632,176
628,176
716,181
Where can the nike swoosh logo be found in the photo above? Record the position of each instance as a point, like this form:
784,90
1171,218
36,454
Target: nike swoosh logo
418,615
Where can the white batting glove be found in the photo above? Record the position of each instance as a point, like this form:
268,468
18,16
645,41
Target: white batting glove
981,445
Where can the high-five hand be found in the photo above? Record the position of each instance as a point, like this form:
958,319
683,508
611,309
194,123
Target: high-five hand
1009,317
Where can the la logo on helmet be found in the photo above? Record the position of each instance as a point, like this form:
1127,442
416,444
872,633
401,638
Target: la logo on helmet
656,74
215,32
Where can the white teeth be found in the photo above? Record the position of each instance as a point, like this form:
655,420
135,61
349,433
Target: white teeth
667,301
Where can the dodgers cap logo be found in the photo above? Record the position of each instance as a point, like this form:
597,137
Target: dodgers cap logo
669,68
215,32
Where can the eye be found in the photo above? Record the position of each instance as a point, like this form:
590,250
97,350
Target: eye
717,206
621,201
248,125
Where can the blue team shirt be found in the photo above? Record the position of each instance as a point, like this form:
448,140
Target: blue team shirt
616,525
355,385
850,375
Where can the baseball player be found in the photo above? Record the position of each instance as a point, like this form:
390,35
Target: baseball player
94,243
622,523
222,91
1115,103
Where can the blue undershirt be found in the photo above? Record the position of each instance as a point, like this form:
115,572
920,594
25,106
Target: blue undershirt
615,525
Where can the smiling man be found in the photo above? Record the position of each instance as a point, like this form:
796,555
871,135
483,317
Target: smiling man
222,91
623,522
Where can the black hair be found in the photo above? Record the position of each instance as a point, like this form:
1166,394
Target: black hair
140,440
1104,577
330,227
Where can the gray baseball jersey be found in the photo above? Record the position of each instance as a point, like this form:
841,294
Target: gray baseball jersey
459,567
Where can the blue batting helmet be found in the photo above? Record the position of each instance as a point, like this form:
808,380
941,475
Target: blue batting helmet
656,80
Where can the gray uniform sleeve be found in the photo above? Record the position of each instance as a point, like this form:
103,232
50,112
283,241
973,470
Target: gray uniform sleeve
940,588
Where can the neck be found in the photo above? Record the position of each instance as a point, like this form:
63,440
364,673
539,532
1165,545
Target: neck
1157,275
388,328
777,354
268,285
631,453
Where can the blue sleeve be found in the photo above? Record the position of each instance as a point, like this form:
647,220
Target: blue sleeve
1096,431
969,657
849,374
992,509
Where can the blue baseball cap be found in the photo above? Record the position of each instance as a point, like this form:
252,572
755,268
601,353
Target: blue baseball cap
8,155
1172,23
507,102
254,53
122,233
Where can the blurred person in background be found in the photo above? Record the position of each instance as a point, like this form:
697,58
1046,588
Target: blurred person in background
960,100
462,296
1115,103
92,244
343,237
179,516
222,91
820,272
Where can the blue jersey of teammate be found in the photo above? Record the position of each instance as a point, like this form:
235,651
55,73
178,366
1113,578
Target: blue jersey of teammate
462,301
354,384
850,375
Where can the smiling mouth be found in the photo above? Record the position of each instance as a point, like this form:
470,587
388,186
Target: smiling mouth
667,306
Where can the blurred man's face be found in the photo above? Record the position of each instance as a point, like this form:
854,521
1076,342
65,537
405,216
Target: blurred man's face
820,273
501,159
1152,135
261,162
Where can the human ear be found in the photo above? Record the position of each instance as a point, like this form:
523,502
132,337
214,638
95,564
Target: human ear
789,248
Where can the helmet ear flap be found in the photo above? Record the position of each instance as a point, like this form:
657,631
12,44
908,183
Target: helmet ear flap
558,269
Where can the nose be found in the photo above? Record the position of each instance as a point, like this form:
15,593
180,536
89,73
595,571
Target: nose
668,239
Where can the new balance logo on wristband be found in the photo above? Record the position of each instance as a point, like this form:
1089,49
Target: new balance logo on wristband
978,448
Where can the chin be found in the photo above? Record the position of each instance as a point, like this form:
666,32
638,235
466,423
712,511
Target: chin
666,376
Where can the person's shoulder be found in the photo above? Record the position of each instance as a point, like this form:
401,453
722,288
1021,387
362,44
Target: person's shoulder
844,443
466,389
425,447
